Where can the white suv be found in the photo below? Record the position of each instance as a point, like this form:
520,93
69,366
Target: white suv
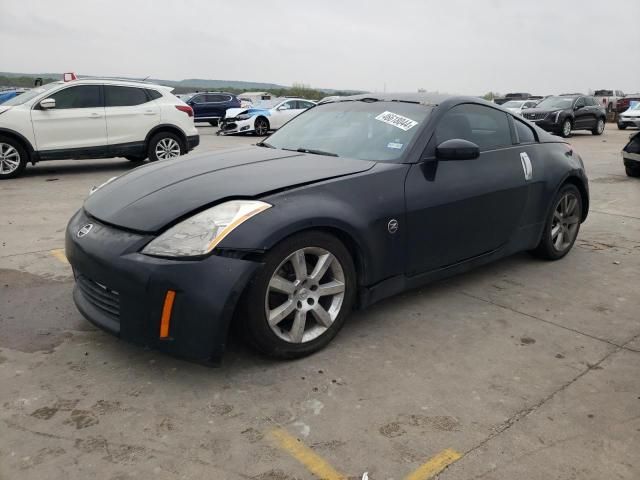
93,118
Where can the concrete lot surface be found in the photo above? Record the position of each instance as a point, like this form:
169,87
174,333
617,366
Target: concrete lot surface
521,370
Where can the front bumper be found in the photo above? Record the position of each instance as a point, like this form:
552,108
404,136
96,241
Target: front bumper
230,126
548,124
192,142
629,121
122,291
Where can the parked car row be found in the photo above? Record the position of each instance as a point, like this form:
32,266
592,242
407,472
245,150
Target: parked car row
561,114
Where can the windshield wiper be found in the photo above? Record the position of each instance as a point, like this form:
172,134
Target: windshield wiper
316,152
265,144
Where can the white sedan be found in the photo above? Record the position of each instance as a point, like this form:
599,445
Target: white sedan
516,106
262,116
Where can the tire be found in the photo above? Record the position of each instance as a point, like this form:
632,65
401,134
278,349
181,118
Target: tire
599,128
632,172
565,131
261,126
214,123
552,246
135,158
622,127
165,146
299,296
13,158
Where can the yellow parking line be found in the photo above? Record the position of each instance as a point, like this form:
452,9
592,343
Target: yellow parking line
58,253
314,463
435,465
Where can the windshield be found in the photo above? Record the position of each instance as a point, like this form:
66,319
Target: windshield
512,104
603,93
355,129
556,102
26,96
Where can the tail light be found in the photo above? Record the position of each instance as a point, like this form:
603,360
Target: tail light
186,109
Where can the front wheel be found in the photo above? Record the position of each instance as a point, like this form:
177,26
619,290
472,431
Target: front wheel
261,126
563,224
165,146
622,126
13,158
599,128
565,131
300,299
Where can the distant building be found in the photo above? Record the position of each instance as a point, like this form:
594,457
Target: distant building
255,96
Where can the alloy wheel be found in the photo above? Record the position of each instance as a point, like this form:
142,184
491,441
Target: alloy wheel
305,295
600,127
9,159
565,223
167,148
261,127
566,128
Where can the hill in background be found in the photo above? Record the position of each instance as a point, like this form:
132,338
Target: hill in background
11,79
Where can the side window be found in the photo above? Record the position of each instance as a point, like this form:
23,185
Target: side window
81,96
124,96
484,126
292,104
580,102
198,99
215,98
154,94
591,102
303,104
525,134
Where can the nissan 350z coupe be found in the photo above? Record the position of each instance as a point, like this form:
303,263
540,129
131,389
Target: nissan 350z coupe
350,202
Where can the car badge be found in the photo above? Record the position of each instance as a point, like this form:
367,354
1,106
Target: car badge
84,230
392,226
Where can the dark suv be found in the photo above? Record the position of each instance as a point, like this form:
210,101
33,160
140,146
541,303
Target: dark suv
211,106
563,113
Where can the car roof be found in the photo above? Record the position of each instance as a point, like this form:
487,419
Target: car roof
114,81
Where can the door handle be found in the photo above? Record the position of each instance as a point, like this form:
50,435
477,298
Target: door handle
149,112
95,115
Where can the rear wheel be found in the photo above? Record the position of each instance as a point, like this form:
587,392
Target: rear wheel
297,303
261,126
565,131
165,146
13,158
214,123
563,224
599,127
621,126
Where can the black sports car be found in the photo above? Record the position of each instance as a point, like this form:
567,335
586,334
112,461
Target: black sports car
350,202
564,113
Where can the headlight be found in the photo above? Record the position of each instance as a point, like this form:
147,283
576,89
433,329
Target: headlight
244,116
557,116
200,234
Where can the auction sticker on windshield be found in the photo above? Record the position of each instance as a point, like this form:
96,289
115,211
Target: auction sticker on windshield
403,123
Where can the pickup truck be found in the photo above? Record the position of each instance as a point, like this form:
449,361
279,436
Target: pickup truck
608,98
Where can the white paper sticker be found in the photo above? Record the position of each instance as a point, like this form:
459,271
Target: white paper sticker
397,146
403,123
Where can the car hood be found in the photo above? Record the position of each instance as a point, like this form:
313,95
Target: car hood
631,113
150,197
541,110
234,112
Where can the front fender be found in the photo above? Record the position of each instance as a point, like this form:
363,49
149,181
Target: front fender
357,208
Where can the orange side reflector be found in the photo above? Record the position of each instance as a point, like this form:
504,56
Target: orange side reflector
165,321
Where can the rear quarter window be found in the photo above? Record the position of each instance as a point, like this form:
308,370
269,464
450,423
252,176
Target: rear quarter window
116,96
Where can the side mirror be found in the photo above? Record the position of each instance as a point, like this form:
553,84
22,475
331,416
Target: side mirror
283,107
457,149
578,107
48,103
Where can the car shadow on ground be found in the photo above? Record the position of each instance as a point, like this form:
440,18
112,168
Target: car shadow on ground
240,360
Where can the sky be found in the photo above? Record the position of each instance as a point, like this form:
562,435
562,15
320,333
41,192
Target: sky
453,46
